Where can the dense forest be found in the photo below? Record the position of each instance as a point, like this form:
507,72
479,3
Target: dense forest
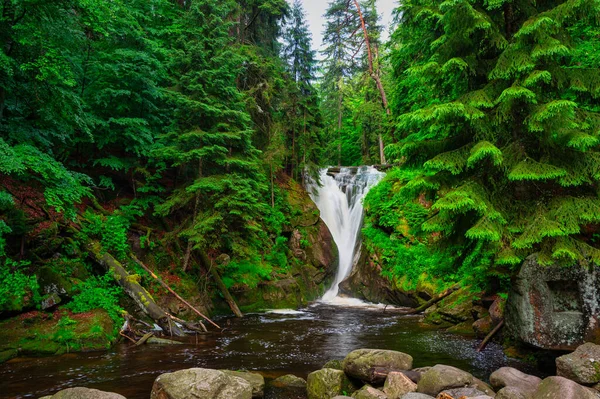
180,128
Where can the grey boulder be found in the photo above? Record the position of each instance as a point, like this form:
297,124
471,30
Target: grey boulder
200,383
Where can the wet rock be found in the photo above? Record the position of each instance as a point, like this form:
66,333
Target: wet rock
256,380
511,377
511,393
440,378
368,392
200,383
84,393
288,387
334,364
50,301
51,282
397,385
463,392
497,310
581,366
8,354
554,307
562,388
359,363
482,386
416,395
366,282
327,383
464,328
483,327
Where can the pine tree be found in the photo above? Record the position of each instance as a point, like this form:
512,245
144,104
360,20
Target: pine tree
221,198
498,105
304,114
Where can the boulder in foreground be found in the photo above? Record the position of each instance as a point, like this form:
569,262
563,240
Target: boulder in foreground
359,363
200,383
83,393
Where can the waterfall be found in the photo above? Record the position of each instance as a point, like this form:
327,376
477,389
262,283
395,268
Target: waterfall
339,198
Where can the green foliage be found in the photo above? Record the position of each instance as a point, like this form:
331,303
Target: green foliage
98,293
17,288
497,106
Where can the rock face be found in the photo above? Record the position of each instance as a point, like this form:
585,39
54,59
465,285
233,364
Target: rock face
84,393
581,366
366,282
562,388
254,379
287,387
440,378
359,363
518,381
200,383
368,392
554,307
397,385
327,383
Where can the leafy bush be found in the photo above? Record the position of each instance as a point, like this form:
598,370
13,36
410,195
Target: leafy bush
16,288
111,230
98,293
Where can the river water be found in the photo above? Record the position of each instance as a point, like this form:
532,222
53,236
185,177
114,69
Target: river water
274,344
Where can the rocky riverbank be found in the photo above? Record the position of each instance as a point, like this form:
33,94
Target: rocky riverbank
377,374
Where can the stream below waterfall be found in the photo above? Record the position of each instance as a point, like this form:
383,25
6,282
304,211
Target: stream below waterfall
274,344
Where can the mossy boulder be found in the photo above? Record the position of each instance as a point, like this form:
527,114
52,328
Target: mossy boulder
563,388
359,363
581,366
53,282
83,393
38,333
327,383
287,387
256,380
334,364
200,383
368,392
440,378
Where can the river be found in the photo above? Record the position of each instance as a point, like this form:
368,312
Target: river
274,344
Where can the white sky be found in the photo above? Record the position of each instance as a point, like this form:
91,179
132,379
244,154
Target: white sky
316,8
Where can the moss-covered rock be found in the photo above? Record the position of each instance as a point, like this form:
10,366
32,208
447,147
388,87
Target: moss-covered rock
440,378
334,364
38,333
256,380
327,383
359,363
287,387
84,393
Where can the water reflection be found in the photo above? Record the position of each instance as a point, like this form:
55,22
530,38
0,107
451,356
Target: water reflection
271,343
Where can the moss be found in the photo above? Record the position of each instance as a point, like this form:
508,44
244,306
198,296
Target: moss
38,334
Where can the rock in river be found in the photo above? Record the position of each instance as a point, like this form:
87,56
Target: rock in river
525,384
200,383
440,378
361,362
581,366
562,388
256,380
83,393
327,383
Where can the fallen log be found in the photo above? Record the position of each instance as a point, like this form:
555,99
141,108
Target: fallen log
433,300
135,291
186,303
487,339
145,338
206,262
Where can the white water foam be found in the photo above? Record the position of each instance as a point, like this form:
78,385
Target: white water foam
339,199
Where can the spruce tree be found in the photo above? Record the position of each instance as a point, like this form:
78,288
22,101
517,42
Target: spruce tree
220,198
304,115
497,105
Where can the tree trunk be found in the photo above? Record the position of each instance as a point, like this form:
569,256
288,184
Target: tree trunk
135,291
188,250
375,75
340,103
220,284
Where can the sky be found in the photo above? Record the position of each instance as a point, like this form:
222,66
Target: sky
316,8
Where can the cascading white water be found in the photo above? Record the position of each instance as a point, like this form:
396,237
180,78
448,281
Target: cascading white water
339,199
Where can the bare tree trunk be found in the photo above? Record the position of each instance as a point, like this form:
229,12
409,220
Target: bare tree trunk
340,103
135,291
222,287
374,74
